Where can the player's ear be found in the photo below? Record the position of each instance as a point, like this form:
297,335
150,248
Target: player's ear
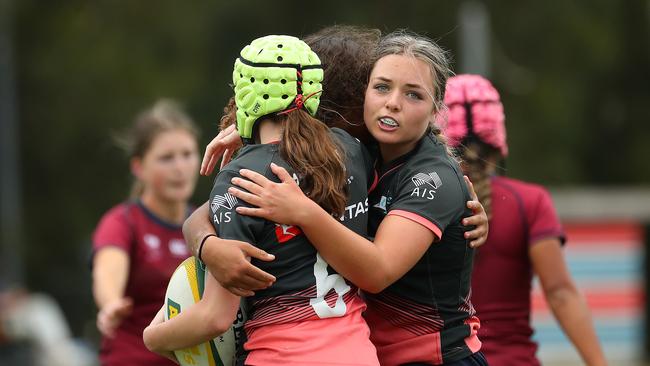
136,167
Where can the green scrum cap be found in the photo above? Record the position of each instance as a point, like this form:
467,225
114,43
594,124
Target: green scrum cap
275,74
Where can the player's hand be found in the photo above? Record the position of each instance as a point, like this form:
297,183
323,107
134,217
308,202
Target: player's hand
112,314
477,236
282,202
159,318
229,262
222,146
146,335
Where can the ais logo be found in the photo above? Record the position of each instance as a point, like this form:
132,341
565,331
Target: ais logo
227,201
426,185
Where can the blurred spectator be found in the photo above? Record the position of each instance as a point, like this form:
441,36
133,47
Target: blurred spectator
138,244
33,331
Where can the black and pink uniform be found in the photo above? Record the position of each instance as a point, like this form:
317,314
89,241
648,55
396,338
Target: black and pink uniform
426,316
311,315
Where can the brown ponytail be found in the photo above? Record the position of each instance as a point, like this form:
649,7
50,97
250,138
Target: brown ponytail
308,147
437,132
478,167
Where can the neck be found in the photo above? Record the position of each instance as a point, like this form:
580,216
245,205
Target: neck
173,212
390,152
269,131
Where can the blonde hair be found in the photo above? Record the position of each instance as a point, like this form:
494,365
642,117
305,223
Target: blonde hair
403,42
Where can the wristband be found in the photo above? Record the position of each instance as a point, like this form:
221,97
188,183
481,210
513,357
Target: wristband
203,242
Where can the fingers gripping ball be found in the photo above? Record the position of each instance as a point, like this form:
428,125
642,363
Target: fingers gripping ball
185,289
273,74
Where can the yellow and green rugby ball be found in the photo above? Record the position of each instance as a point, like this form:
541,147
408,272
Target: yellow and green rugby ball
184,290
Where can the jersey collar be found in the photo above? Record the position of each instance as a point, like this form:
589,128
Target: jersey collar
384,167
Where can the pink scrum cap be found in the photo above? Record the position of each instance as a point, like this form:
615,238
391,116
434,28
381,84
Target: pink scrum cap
465,93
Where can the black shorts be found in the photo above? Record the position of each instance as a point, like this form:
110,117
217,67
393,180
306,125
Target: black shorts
476,359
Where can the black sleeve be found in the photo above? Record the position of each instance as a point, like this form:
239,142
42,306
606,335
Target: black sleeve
432,195
369,165
227,222
356,153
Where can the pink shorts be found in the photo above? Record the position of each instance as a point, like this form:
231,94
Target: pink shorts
331,341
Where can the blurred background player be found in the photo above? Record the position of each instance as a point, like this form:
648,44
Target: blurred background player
138,243
525,237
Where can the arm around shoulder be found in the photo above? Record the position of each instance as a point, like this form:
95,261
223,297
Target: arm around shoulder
196,227
399,244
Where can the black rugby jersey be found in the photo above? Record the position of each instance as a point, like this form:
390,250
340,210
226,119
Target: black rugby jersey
306,287
426,315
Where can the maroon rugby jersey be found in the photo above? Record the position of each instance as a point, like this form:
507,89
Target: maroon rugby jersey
155,249
522,214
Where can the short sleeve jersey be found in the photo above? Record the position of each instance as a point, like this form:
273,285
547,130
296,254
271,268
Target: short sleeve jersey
522,214
306,286
426,316
155,249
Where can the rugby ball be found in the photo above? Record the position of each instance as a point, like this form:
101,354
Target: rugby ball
185,289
